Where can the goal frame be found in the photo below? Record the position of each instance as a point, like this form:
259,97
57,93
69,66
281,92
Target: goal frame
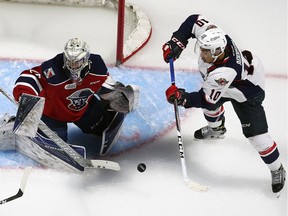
125,47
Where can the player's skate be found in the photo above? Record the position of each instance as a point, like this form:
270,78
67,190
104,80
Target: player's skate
208,132
278,180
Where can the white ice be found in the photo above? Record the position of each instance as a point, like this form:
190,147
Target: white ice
239,181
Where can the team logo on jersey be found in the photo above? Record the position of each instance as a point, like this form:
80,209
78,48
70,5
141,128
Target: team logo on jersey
49,73
79,99
221,81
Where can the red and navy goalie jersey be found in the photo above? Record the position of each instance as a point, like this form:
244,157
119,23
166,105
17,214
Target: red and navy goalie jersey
64,101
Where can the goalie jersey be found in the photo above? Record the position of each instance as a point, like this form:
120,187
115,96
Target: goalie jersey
64,100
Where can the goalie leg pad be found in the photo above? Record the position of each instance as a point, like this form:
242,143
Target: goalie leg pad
111,134
6,118
28,115
7,137
103,123
60,128
96,118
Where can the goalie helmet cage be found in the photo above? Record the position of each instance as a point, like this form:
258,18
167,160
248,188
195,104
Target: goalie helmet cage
133,27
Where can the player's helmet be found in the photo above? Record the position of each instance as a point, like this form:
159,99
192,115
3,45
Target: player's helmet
214,40
76,59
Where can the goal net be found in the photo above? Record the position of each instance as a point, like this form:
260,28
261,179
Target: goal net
133,26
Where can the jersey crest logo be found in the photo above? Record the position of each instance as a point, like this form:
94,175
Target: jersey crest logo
79,99
49,73
221,81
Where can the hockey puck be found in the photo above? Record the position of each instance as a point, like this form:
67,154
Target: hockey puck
141,167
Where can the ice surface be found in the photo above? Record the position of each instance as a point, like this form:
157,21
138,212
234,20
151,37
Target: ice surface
239,181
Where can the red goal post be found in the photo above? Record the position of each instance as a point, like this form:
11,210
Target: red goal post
133,27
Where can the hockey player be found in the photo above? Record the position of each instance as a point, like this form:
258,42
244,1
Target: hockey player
229,74
77,88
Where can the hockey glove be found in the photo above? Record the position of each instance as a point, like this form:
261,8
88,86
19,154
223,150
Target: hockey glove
179,94
120,98
174,47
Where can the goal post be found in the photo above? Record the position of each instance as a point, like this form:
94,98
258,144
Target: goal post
120,32
133,25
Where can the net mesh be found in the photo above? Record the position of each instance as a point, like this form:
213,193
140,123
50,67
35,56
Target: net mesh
137,26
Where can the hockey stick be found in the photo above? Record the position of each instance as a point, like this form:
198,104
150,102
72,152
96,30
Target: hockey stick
83,162
190,184
20,192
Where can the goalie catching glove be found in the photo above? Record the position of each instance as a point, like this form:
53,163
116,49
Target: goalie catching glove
173,93
121,98
174,47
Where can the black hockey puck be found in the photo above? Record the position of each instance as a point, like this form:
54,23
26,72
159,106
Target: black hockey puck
141,167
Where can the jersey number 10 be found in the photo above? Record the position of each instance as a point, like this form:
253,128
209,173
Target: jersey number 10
215,94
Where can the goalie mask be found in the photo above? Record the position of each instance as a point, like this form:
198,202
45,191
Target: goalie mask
212,40
76,59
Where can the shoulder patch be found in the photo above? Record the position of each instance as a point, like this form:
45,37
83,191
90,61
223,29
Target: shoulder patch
221,81
49,73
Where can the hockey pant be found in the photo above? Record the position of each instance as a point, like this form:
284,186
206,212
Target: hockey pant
254,126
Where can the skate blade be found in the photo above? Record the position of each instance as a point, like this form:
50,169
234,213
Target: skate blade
278,194
211,138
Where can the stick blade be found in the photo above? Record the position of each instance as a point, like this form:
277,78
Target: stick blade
195,186
20,192
27,172
104,164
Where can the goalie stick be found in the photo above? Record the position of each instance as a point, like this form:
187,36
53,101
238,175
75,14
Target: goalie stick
83,162
190,184
23,184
